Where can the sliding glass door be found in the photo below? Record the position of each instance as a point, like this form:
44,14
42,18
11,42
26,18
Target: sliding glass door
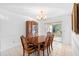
56,29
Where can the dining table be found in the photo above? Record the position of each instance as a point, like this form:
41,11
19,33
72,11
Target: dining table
41,39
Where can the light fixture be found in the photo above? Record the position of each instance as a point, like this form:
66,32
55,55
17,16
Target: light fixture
41,15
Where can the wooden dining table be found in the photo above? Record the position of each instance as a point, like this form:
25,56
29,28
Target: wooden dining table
40,40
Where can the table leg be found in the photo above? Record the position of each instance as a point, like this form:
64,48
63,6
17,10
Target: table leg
38,49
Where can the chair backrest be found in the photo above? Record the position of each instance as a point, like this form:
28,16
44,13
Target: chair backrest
29,39
50,38
46,41
49,34
35,40
24,42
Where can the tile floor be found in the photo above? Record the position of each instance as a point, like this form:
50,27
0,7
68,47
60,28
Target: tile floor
59,49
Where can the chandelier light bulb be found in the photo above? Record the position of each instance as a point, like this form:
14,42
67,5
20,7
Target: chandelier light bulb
41,15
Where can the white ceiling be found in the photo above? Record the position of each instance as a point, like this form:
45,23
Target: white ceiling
31,9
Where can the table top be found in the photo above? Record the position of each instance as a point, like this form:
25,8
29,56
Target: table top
41,38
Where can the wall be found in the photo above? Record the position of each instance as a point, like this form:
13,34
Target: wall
67,28
0,38
75,44
12,27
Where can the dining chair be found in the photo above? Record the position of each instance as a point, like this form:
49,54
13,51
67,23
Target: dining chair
52,39
44,46
35,42
26,48
49,43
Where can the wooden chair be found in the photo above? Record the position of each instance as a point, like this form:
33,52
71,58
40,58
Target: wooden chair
30,41
26,48
49,43
35,42
52,38
44,45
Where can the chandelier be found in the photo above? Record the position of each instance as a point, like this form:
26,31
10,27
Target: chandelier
41,15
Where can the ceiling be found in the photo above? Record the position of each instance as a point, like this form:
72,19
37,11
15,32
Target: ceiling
31,9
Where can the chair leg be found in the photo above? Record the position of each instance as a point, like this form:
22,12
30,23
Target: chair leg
51,46
47,52
43,52
35,52
23,52
38,53
28,54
